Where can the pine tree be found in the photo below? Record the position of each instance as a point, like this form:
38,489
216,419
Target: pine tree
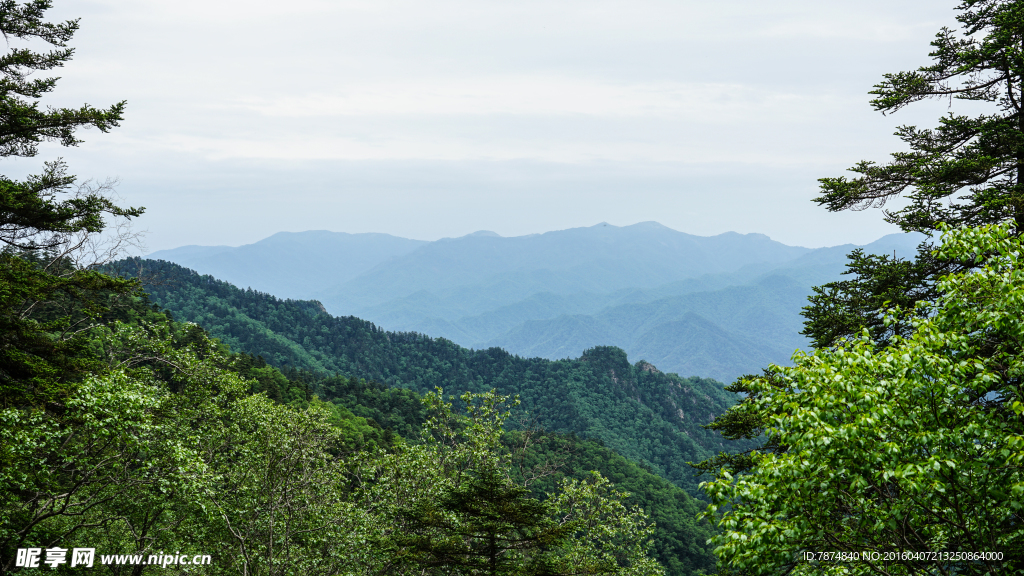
44,219
969,170
487,525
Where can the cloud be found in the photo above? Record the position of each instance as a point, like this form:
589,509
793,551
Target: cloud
545,93
540,96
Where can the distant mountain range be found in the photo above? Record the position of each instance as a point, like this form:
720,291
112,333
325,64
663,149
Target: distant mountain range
717,306
293,265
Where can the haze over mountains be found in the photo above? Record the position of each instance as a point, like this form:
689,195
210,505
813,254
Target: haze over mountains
717,306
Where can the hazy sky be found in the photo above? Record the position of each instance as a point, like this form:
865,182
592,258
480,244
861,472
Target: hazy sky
433,119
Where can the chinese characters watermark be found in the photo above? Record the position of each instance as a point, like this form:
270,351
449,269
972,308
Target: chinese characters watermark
85,557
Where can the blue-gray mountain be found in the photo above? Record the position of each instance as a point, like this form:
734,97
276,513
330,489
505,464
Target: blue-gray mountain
716,306
293,265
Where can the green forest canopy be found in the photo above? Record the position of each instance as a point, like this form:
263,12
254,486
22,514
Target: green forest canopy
638,411
131,434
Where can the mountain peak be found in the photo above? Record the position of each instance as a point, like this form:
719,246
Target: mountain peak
652,225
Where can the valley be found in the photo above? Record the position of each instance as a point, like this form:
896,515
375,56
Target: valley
616,341
715,307
634,408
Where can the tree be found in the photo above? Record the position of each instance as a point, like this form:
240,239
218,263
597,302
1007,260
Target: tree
279,505
166,450
484,525
450,505
907,459
120,461
844,308
981,157
46,301
32,217
967,171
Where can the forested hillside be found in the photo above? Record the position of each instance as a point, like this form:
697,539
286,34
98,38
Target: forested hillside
679,539
201,428
131,443
635,409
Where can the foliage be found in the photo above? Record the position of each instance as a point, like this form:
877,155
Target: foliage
846,307
117,454
913,448
636,410
24,124
968,170
453,507
40,229
398,410
168,450
898,434
278,504
979,158
544,460
744,422
477,521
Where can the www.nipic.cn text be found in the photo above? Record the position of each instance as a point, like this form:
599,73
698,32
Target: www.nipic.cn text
86,557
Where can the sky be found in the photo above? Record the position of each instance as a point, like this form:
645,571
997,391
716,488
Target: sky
437,119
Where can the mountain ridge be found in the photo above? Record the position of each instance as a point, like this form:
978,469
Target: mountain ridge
524,294
574,396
